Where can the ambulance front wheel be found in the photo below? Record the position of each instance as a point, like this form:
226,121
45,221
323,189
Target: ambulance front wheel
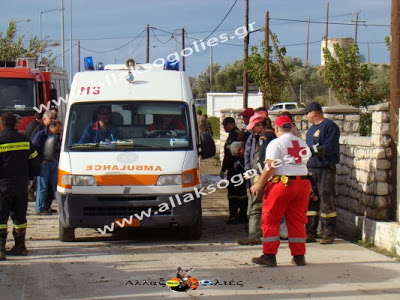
66,234
194,232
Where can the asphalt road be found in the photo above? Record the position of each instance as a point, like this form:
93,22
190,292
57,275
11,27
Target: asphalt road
137,265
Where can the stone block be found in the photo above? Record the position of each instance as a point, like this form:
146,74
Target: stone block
381,164
379,153
363,164
382,188
380,117
380,140
381,176
345,170
352,118
381,202
380,128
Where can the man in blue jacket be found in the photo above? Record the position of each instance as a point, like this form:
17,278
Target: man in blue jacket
323,140
101,130
48,169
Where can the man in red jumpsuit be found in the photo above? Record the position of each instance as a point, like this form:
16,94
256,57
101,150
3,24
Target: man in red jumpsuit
286,194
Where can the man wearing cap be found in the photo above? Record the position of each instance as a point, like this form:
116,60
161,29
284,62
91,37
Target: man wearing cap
323,140
244,132
286,194
260,124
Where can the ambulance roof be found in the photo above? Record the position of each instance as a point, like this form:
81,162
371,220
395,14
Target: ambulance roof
113,85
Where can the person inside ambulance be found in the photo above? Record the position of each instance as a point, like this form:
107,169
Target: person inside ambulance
165,125
101,130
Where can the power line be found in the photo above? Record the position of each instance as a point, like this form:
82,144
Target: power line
152,30
229,11
112,50
331,23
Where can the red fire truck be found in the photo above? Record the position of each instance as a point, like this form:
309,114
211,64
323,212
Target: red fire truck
26,89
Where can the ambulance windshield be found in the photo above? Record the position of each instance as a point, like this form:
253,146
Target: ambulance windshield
127,125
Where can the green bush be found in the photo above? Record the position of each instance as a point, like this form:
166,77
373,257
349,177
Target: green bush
365,123
215,125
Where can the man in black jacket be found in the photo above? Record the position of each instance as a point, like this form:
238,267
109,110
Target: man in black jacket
18,162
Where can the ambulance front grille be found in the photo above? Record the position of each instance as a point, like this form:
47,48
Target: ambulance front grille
121,211
127,198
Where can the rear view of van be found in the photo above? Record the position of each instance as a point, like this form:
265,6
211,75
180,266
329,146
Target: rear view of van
130,153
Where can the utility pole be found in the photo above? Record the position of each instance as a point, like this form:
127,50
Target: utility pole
355,35
326,24
369,61
284,67
183,47
148,44
211,69
326,34
266,42
245,54
62,36
79,55
395,99
266,54
308,39
71,71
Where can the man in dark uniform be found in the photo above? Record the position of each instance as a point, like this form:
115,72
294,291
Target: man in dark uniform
323,140
237,195
18,162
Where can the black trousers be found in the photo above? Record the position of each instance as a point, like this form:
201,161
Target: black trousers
324,208
14,204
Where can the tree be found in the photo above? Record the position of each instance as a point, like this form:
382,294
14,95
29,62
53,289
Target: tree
12,46
349,79
271,85
228,78
201,85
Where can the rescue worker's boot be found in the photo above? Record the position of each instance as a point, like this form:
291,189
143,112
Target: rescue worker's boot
3,240
299,260
19,248
268,260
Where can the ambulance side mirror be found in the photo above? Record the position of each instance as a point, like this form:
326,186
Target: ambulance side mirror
207,146
51,148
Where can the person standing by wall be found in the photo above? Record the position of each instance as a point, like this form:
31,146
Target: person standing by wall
286,194
48,169
323,140
18,162
237,195
203,123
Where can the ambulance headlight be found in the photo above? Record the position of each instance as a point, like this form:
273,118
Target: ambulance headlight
169,180
78,180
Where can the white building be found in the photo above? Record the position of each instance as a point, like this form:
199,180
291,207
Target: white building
218,101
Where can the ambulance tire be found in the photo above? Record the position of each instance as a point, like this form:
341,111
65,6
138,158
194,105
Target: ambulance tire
194,232
65,234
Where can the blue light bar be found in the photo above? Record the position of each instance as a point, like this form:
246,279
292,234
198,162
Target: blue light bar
171,65
89,65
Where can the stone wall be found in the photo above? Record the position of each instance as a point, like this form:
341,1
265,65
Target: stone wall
346,117
364,172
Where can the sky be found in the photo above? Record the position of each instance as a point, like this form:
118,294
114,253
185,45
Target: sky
112,31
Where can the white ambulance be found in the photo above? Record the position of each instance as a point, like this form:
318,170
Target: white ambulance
130,152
